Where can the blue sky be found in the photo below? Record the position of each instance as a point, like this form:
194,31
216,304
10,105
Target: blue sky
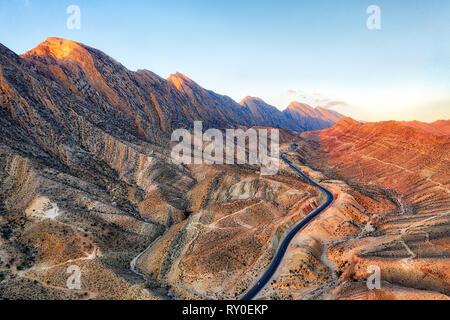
313,51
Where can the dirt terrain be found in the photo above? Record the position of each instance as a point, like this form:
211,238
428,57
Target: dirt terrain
86,181
394,201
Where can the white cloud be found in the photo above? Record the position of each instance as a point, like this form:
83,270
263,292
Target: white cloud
315,99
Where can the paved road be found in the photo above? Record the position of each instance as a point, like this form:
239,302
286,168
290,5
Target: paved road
291,233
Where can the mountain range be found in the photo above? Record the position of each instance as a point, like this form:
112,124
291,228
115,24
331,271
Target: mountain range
85,170
86,180
143,101
438,128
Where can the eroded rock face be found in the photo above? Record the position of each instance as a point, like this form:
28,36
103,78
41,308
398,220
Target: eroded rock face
409,218
297,116
411,162
437,128
144,100
237,220
76,175
145,103
86,180
311,118
268,115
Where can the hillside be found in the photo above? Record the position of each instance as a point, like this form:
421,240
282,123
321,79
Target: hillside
86,179
410,169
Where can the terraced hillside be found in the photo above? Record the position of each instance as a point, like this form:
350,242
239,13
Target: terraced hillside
411,169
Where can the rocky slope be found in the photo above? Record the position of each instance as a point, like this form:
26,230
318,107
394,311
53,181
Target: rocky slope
311,118
86,178
237,220
297,116
143,101
400,179
438,128
72,178
269,115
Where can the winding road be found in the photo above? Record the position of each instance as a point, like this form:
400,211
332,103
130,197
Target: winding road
265,278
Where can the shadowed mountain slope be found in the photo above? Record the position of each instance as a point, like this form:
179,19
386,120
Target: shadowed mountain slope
311,118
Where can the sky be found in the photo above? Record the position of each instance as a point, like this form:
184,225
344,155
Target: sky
319,52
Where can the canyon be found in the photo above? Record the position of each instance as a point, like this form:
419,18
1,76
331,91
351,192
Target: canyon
86,179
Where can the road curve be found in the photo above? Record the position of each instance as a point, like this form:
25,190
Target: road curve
265,278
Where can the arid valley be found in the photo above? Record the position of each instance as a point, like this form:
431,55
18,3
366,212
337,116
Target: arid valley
87,180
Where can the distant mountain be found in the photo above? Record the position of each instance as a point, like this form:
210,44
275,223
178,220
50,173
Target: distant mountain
310,118
438,128
140,101
413,162
144,102
86,176
410,169
268,115
298,116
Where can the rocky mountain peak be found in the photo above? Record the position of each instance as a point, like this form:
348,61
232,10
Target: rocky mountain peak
299,106
348,122
248,99
57,48
178,80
